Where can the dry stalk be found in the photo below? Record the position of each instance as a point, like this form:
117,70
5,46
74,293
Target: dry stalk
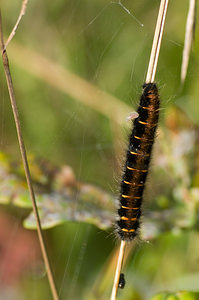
150,77
26,165
189,36
21,14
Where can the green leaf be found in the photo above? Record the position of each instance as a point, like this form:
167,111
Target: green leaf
186,295
182,295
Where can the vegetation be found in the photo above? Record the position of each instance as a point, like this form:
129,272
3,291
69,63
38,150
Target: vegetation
78,68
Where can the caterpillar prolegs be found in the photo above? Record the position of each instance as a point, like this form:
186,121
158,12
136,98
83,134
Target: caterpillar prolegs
137,163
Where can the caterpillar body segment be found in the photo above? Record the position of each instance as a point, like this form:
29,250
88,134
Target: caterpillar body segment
137,163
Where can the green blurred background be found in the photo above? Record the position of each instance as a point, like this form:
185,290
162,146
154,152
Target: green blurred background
101,43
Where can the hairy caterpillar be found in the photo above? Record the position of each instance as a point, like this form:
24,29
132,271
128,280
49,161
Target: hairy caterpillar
137,163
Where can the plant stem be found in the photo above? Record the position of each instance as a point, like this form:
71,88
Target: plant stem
118,270
150,77
26,166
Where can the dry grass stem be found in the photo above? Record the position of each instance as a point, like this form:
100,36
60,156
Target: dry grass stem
21,14
102,282
150,77
118,270
189,36
25,164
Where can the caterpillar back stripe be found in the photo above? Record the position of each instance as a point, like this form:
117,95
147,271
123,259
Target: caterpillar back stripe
137,163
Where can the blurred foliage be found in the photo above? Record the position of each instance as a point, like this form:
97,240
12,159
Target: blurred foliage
177,296
60,197
103,44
